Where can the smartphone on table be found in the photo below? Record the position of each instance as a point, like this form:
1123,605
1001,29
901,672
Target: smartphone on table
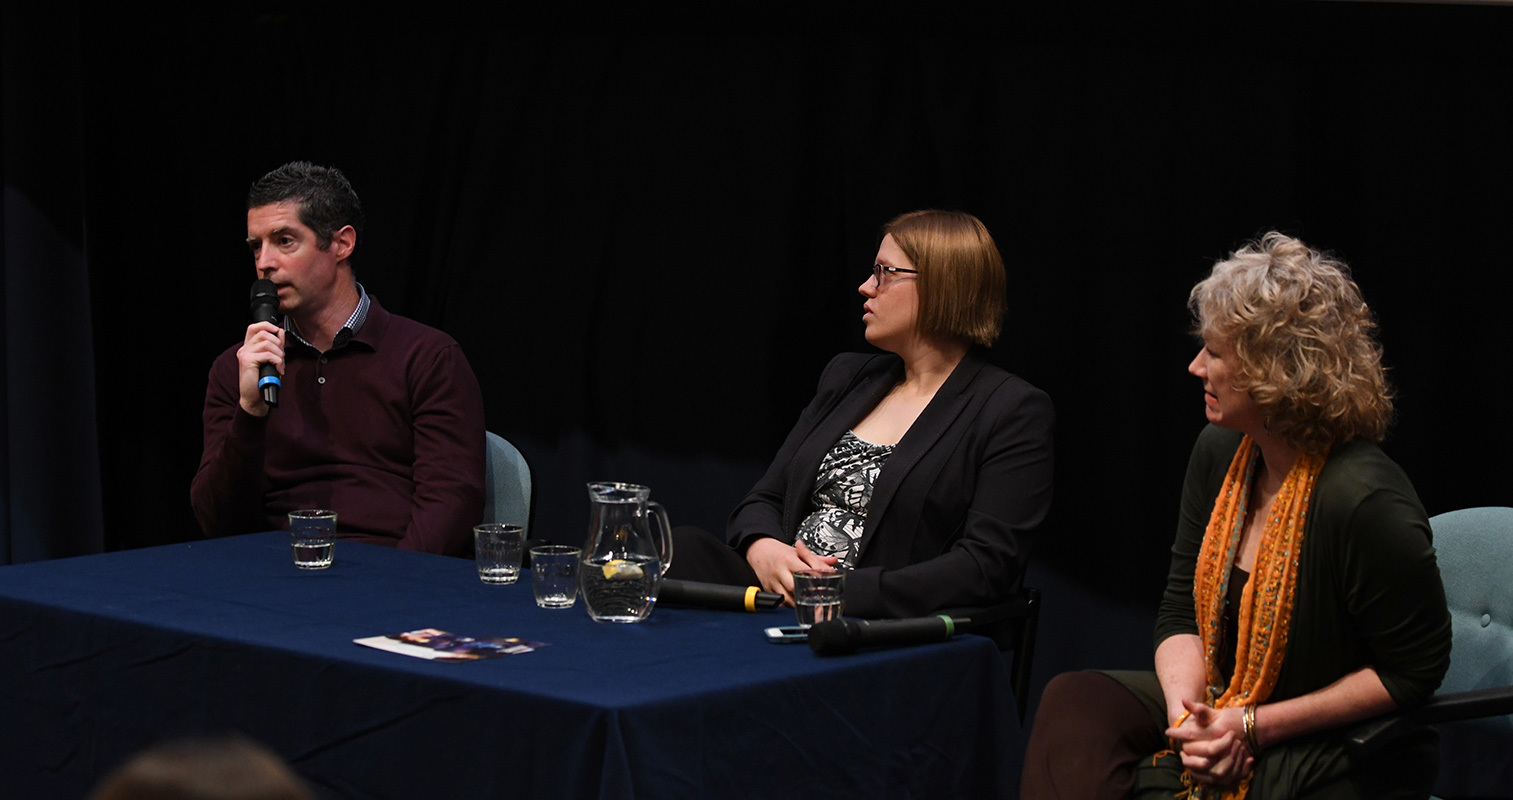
787,635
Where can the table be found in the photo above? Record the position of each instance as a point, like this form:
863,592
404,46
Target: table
103,655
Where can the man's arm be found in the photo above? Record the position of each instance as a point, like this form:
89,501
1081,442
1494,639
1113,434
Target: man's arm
227,491
449,456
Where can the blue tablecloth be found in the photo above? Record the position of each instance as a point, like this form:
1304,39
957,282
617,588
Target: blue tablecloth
103,655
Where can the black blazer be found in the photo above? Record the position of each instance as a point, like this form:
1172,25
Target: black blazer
956,507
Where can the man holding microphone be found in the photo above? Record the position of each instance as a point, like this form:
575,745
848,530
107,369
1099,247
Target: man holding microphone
378,417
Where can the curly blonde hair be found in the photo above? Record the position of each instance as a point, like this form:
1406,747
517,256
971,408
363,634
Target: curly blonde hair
1304,340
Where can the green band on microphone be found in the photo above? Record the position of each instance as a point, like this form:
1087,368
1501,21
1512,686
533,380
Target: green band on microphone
950,625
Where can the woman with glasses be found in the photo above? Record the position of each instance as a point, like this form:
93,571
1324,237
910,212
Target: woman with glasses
923,471
1303,594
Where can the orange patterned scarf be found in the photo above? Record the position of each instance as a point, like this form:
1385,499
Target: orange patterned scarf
1266,608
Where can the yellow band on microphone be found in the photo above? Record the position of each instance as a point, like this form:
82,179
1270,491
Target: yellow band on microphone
751,593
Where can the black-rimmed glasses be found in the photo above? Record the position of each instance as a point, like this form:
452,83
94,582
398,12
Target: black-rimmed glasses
878,270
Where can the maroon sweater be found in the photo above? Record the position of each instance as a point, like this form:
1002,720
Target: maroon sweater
387,431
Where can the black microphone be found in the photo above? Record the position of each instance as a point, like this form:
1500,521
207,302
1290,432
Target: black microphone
265,309
842,636
716,595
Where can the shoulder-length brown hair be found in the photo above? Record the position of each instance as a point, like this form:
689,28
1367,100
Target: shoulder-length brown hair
960,281
1304,339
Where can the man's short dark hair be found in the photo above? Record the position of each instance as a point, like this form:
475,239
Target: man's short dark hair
326,200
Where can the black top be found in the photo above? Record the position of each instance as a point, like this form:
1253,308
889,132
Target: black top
955,510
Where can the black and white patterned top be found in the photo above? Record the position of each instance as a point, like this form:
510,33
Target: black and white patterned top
842,491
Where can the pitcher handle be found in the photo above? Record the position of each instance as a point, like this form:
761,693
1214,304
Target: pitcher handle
666,525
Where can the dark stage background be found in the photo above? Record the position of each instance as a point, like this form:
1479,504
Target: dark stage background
648,236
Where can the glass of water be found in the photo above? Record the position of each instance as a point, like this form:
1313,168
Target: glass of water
818,596
496,548
554,575
312,533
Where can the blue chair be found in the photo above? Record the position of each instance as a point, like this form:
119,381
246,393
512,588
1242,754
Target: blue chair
507,484
1474,547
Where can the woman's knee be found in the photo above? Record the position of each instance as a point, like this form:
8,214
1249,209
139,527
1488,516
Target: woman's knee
701,556
1071,690
1091,705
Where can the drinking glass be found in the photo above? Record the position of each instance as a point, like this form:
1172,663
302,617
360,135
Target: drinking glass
312,536
818,596
496,548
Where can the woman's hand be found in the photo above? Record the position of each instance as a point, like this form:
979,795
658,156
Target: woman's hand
775,562
815,562
1212,742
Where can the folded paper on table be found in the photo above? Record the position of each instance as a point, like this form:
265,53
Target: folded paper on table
438,645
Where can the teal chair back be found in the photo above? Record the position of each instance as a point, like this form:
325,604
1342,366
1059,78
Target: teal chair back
1475,551
507,484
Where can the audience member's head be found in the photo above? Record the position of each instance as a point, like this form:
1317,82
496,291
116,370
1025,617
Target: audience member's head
203,769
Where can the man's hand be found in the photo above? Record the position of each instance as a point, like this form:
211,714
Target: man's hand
264,344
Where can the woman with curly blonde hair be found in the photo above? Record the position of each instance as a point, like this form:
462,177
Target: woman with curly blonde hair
1303,594
1302,342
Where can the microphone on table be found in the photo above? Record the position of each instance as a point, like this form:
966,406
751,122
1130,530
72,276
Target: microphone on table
265,309
842,636
716,595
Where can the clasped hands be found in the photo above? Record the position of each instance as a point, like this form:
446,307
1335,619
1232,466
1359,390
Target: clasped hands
775,561
1212,743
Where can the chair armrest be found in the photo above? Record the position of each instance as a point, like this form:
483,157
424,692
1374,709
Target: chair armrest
1372,735
984,616
1013,626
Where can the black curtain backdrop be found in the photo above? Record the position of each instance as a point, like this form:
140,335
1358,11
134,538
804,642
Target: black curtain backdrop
647,233
50,499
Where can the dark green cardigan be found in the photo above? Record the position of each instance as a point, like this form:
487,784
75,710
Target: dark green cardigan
1369,590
